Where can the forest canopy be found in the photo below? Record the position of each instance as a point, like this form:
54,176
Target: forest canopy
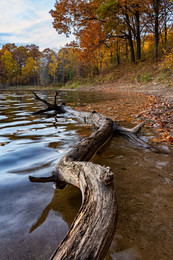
106,32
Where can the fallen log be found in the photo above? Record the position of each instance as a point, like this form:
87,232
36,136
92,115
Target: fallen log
93,229
87,117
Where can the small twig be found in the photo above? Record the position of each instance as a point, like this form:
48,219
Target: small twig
134,130
137,128
42,111
58,183
41,99
56,94
41,179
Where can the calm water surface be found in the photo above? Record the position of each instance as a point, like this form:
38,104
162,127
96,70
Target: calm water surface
34,218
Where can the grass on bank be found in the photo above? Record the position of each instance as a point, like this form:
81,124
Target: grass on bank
142,73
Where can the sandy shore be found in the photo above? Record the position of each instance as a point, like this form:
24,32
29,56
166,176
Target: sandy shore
156,106
154,89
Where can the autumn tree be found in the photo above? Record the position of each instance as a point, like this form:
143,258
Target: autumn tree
44,61
167,13
68,62
30,72
108,19
10,66
80,18
25,64
11,47
20,56
53,66
33,51
123,19
159,16
14,60
2,69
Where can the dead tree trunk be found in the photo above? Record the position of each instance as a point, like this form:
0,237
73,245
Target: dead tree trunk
92,231
93,228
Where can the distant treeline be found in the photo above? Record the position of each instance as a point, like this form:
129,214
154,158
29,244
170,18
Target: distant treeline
107,33
26,65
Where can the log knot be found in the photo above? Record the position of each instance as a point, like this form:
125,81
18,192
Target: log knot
59,182
107,176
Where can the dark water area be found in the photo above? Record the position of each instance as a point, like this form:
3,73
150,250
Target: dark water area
34,218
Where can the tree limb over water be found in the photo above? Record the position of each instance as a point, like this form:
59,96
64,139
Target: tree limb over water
93,229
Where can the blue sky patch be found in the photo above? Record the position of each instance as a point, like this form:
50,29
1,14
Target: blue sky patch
29,22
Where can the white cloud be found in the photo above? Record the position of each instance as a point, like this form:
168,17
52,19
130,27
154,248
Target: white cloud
28,22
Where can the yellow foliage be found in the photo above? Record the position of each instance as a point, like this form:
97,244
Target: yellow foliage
53,66
168,61
148,42
10,65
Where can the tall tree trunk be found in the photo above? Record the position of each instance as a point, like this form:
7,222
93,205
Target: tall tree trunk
138,36
132,52
127,54
130,39
156,4
54,77
111,55
165,33
101,56
165,24
63,68
118,55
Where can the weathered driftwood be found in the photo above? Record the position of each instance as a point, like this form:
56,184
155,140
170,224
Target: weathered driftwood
93,228
87,117
92,231
130,134
49,105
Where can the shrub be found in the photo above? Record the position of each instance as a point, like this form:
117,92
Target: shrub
146,77
168,61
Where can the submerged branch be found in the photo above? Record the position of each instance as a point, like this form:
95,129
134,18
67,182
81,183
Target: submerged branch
42,100
50,106
41,179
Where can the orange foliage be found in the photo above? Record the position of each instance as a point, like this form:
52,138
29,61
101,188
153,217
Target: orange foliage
168,61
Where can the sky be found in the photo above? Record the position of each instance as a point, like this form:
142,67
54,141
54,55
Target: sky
29,22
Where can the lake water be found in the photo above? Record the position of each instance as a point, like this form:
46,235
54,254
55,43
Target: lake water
34,218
